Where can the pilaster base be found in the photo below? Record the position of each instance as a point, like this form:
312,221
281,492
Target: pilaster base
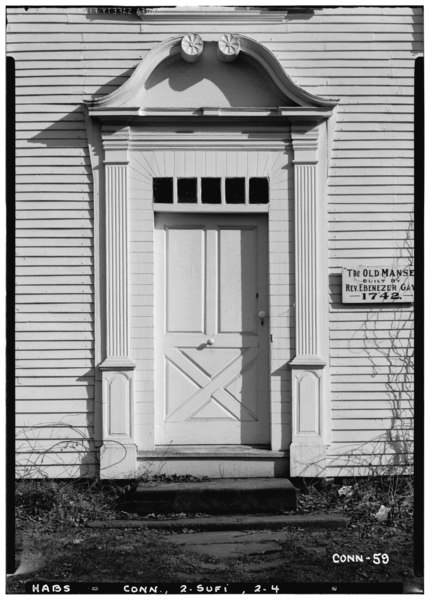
118,455
119,363
308,448
307,460
118,460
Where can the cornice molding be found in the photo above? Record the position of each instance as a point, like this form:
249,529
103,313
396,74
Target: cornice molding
265,140
183,145
202,14
126,114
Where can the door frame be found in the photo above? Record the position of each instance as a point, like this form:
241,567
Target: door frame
269,152
297,228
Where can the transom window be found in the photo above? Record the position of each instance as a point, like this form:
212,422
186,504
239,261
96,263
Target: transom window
210,190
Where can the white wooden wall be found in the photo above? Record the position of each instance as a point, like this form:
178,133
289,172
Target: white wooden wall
363,55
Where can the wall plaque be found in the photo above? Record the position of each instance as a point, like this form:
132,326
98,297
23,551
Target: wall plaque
378,284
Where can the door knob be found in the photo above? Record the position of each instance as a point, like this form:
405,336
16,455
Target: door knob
210,341
261,314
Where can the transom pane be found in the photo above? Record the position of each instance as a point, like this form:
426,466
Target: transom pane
187,190
211,190
235,190
259,190
162,190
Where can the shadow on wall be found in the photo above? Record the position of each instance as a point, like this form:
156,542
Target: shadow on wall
70,131
211,82
417,43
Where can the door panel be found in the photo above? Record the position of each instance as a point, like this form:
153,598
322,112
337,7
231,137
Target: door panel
238,274
185,280
212,349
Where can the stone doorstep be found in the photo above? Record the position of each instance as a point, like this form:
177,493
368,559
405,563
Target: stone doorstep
216,461
223,485
230,522
218,496
230,537
212,452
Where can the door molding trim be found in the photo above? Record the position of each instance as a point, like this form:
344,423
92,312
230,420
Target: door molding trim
212,208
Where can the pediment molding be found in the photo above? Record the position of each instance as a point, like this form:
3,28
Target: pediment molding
129,99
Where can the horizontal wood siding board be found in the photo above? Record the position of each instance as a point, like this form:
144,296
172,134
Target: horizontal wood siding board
52,318
54,445
54,335
80,468
53,419
314,33
54,392
40,380
49,354
362,10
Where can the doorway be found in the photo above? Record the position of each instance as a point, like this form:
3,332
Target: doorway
212,330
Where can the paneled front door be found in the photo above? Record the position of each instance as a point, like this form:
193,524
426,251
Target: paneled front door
212,335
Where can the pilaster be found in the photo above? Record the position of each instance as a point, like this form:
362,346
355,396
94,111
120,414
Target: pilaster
118,455
308,448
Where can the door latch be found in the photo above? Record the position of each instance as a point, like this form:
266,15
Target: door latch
261,315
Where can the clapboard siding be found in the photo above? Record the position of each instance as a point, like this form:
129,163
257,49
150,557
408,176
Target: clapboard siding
363,55
55,340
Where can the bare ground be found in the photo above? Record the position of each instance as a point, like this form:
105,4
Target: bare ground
57,544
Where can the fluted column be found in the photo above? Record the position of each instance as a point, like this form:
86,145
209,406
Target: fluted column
306,292
117,343
118,454
308,449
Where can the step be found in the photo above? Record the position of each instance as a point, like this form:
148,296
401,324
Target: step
230,522
216,496
215,461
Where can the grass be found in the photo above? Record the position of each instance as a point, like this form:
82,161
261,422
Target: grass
54,542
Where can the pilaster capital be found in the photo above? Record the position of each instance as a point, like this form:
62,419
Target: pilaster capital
115,144
116,157
305,143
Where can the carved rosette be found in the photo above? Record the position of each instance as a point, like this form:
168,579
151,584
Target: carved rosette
228,47
192,47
